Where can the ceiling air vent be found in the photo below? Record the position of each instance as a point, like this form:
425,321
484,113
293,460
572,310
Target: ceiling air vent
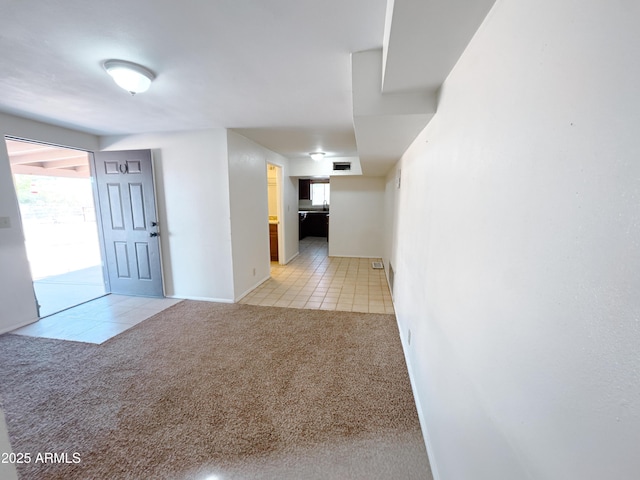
342,165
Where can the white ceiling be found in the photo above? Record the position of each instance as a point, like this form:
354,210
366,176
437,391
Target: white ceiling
278,71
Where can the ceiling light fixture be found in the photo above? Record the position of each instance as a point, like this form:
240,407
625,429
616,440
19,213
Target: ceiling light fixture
317,156
132,77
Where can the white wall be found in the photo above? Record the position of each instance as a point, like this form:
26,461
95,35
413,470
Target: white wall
249,212
290,214
192,191
17,300
391,207
356,223
517,249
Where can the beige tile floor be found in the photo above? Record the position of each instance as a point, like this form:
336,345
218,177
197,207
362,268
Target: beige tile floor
315,281
98,320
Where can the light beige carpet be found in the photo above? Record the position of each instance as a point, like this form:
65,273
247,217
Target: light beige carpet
205,390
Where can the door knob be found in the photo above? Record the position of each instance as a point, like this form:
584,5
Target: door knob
154,234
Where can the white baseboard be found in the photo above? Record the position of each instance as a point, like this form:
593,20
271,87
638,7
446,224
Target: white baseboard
201,299
416,397
250,289
356,256
294,256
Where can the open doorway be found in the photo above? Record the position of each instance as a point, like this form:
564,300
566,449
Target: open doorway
314,207
274,196
55,194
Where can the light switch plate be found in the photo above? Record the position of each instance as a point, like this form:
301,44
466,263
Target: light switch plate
5,222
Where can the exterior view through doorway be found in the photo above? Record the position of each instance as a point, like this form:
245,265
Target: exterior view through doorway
89,221
55,195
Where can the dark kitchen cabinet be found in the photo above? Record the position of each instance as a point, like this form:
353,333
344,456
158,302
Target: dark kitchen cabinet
316,224
273,241
302,225
304,189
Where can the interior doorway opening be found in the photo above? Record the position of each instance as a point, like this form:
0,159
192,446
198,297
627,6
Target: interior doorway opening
57,207
276,225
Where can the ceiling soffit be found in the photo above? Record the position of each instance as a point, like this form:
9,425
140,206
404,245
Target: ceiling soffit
424,39
384,124
395,89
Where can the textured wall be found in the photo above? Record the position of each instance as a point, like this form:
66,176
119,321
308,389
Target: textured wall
517,248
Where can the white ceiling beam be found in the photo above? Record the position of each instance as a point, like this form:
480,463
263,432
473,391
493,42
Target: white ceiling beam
49,172
19,158
70,162
83,170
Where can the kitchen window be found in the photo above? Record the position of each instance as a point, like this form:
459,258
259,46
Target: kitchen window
319,194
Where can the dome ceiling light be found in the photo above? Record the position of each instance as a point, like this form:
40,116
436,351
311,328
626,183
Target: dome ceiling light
130,76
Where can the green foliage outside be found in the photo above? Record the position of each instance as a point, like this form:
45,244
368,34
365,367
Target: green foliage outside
54,191
54,199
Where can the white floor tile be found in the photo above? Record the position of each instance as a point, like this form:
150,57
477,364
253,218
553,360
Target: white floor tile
98,320
344,284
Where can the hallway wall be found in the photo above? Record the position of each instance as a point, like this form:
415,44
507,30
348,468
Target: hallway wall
249,212
517,250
